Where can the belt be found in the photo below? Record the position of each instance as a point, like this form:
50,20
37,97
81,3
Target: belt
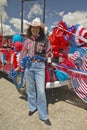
37,60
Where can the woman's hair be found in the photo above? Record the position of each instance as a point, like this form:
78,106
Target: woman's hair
41,34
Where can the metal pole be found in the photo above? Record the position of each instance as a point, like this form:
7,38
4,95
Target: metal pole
1,25
44,8
22,6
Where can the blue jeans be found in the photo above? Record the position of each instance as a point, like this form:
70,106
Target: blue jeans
35,88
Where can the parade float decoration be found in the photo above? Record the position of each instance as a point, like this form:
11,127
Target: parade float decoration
9,56
78,51
60,38
79,79
79,38
13,74
1,39
69,61
73,48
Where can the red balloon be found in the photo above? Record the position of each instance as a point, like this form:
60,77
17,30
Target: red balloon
18,46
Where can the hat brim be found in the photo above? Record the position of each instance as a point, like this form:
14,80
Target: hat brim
40,25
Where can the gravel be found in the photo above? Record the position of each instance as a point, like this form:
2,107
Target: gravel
66,110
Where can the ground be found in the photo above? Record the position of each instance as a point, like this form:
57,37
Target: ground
66,110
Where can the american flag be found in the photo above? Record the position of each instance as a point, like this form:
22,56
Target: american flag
78,74
79,84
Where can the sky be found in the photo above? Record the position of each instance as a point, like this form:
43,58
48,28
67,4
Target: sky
70,11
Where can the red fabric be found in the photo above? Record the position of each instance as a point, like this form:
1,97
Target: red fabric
62,24
68,63
85,36
58,40
1,40
50,74
80,33
15,63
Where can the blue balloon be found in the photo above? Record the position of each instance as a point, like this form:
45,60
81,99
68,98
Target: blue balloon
18,38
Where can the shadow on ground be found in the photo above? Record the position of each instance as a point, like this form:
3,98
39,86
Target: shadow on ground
57,94
64,94
5,76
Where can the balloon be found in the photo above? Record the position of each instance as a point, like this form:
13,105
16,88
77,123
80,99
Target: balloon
18,38
18,46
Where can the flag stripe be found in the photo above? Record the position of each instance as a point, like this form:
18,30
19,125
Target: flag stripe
80,85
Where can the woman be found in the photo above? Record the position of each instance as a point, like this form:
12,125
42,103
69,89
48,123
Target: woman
37,47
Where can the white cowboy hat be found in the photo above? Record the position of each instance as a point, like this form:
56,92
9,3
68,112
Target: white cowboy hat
36,22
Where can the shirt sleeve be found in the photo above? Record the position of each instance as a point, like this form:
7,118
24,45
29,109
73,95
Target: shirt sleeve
23,52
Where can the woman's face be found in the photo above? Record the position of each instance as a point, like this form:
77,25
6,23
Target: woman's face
35,30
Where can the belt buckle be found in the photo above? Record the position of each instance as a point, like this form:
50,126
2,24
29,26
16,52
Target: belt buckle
35,61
